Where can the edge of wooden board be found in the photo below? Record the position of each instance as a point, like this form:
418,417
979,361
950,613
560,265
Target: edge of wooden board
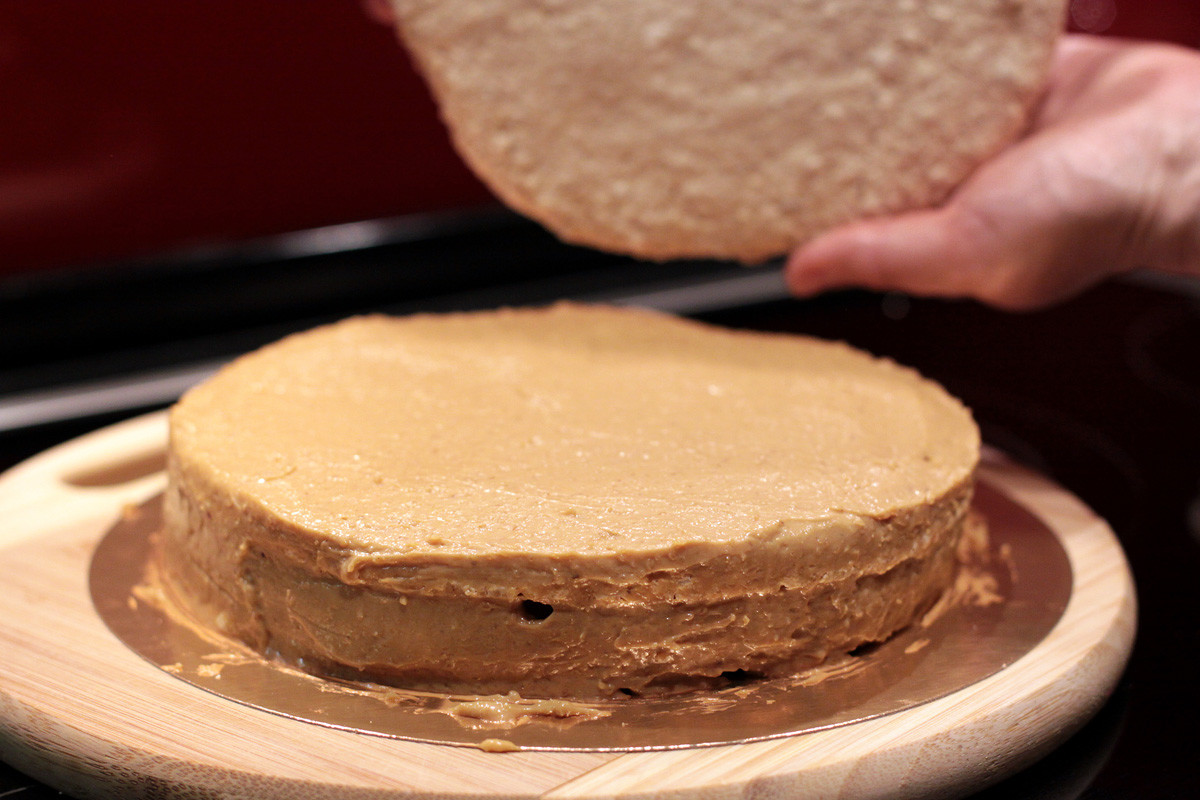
82,713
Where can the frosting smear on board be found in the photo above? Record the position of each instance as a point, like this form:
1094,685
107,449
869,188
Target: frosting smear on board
570,501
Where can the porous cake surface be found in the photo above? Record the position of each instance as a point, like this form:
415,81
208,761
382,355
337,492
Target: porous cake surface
728,128
566,501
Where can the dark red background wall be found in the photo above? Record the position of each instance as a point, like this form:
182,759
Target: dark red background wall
133,126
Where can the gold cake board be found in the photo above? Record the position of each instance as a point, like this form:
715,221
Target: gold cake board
82,712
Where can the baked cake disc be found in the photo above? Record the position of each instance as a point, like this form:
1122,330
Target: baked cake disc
727,128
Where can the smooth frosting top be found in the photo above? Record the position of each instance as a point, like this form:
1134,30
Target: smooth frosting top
568,430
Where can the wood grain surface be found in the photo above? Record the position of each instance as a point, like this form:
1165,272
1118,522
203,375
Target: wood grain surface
81,712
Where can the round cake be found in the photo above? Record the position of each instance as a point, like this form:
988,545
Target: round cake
571,501
727,128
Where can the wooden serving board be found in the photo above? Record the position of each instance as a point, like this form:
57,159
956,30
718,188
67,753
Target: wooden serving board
83,713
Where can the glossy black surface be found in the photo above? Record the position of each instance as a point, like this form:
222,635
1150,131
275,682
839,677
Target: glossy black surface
1101,394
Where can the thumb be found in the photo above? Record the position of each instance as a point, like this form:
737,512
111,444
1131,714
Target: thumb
922,252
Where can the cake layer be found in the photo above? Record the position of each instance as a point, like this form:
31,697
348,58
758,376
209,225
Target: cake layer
564,501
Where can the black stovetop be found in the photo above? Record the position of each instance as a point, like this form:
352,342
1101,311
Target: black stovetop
1101,394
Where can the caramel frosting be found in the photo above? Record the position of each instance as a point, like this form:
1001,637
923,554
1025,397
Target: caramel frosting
562,501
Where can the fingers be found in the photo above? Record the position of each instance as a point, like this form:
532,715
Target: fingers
935,252
1008,253
1047,217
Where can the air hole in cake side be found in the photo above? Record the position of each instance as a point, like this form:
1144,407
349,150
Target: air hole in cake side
533,611
740,677
865,649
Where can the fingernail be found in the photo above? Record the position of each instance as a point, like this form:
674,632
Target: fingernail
807,269
802,281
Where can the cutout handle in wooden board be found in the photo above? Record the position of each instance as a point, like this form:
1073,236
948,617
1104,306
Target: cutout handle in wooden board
92,476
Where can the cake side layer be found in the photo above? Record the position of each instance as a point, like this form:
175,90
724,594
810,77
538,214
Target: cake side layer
470,636
225,534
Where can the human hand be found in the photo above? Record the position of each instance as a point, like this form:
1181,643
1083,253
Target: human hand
1107,179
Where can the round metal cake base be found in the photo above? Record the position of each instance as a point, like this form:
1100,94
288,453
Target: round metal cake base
1008,601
